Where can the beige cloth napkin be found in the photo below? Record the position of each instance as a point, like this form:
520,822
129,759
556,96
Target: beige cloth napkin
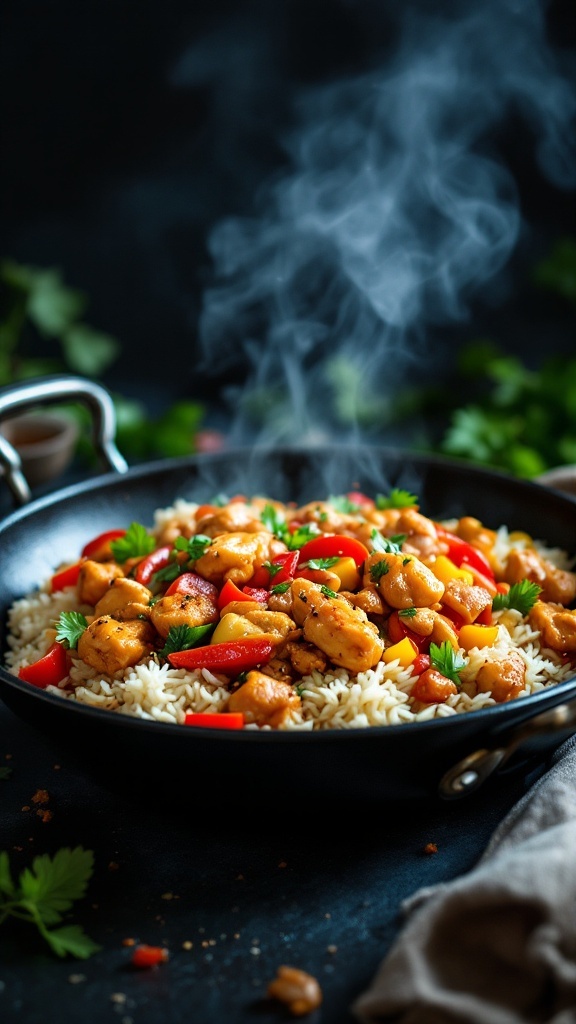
497,946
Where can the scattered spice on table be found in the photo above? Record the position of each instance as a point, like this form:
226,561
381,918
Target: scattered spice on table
297,989
145,956
430,848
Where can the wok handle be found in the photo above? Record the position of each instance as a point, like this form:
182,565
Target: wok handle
46,391
468,774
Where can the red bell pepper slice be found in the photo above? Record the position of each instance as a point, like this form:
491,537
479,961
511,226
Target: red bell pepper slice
330,545
420,664
259,594
65,578
230,658
92,546
230,592
48,670
216,720
152,563
464,554
192,583
397,630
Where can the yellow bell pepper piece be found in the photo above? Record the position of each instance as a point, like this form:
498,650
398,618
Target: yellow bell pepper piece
445,570
347,570
405,651
233,627
477,636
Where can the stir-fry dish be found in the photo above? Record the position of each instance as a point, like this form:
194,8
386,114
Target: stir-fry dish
348,612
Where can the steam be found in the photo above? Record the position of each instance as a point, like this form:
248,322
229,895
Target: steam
395,209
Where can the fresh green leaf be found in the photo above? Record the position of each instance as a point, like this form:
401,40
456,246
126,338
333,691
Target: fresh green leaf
522,596
390,545
71,939
327,592
273,568
136,543
69,628
320,563
295,540
168,574
273,521
447,661
53,883
280,588
407,613
396,499
182,638
194,547
342,503
378,570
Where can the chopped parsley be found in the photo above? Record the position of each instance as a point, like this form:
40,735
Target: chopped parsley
293,540
391,545
378,570
522,596
327,592
194,547
280,588
166,575
136,543
320,563
445,660
407,613
182,638
396,499
69,628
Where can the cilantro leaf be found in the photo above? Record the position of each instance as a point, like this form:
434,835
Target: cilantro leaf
522,596
327,592
69,628
298,538
271,518
194,547
396,499
274,522
182,638
136,543
72,939
320,563
391,545
166,575
407,613
280,588
378,570
447,661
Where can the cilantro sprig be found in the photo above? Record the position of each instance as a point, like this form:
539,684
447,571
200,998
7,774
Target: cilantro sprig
136,543
182,638
378,570
45,892
69,628
194,547
272,519
522,596
396,499
320,563
390,545
447,661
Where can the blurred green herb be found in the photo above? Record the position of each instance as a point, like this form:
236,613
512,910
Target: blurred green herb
37,306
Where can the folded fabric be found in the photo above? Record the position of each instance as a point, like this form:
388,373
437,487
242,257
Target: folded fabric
497,946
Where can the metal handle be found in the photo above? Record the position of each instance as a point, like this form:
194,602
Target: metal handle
469,774
46,391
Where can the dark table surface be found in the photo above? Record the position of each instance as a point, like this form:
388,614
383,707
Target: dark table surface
232,891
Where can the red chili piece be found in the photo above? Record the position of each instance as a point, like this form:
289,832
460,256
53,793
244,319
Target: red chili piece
330,545
92,546
192,583
149,956
462,553
152,563
48,670
397,630
65,578
229,658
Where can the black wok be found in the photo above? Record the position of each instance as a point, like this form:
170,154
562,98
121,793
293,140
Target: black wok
447,756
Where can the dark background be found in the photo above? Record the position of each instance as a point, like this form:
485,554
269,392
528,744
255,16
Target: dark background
130,129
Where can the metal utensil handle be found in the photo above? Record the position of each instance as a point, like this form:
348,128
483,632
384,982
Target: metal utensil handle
46,391
468,774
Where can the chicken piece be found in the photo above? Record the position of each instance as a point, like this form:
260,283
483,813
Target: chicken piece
342,632
368,599
124,599
276,624
467,601
421,535
183,610
240,608
235,517
431,687
556,624
326,517
402,580
234,556
110,646
474,532
427,622
558,585
264,700
281,602
503,679
94,580
306,658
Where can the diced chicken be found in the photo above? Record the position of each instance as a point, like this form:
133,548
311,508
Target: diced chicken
234,556
342,632
110,646
432,687
281,602
95,578
183,610
326,517
368,599
275,623
467,601
264,700
556,624
232,518
124,599
427,622
503,678
306,658
558,585
402,580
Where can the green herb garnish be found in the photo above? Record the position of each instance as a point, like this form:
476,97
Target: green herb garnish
69,628
194,547
182,638
341,503
136,543
378,570
45,892
407,613
391,545
280,588
396,499
445,660
522,596
320,563
273,521
166,575
327,592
